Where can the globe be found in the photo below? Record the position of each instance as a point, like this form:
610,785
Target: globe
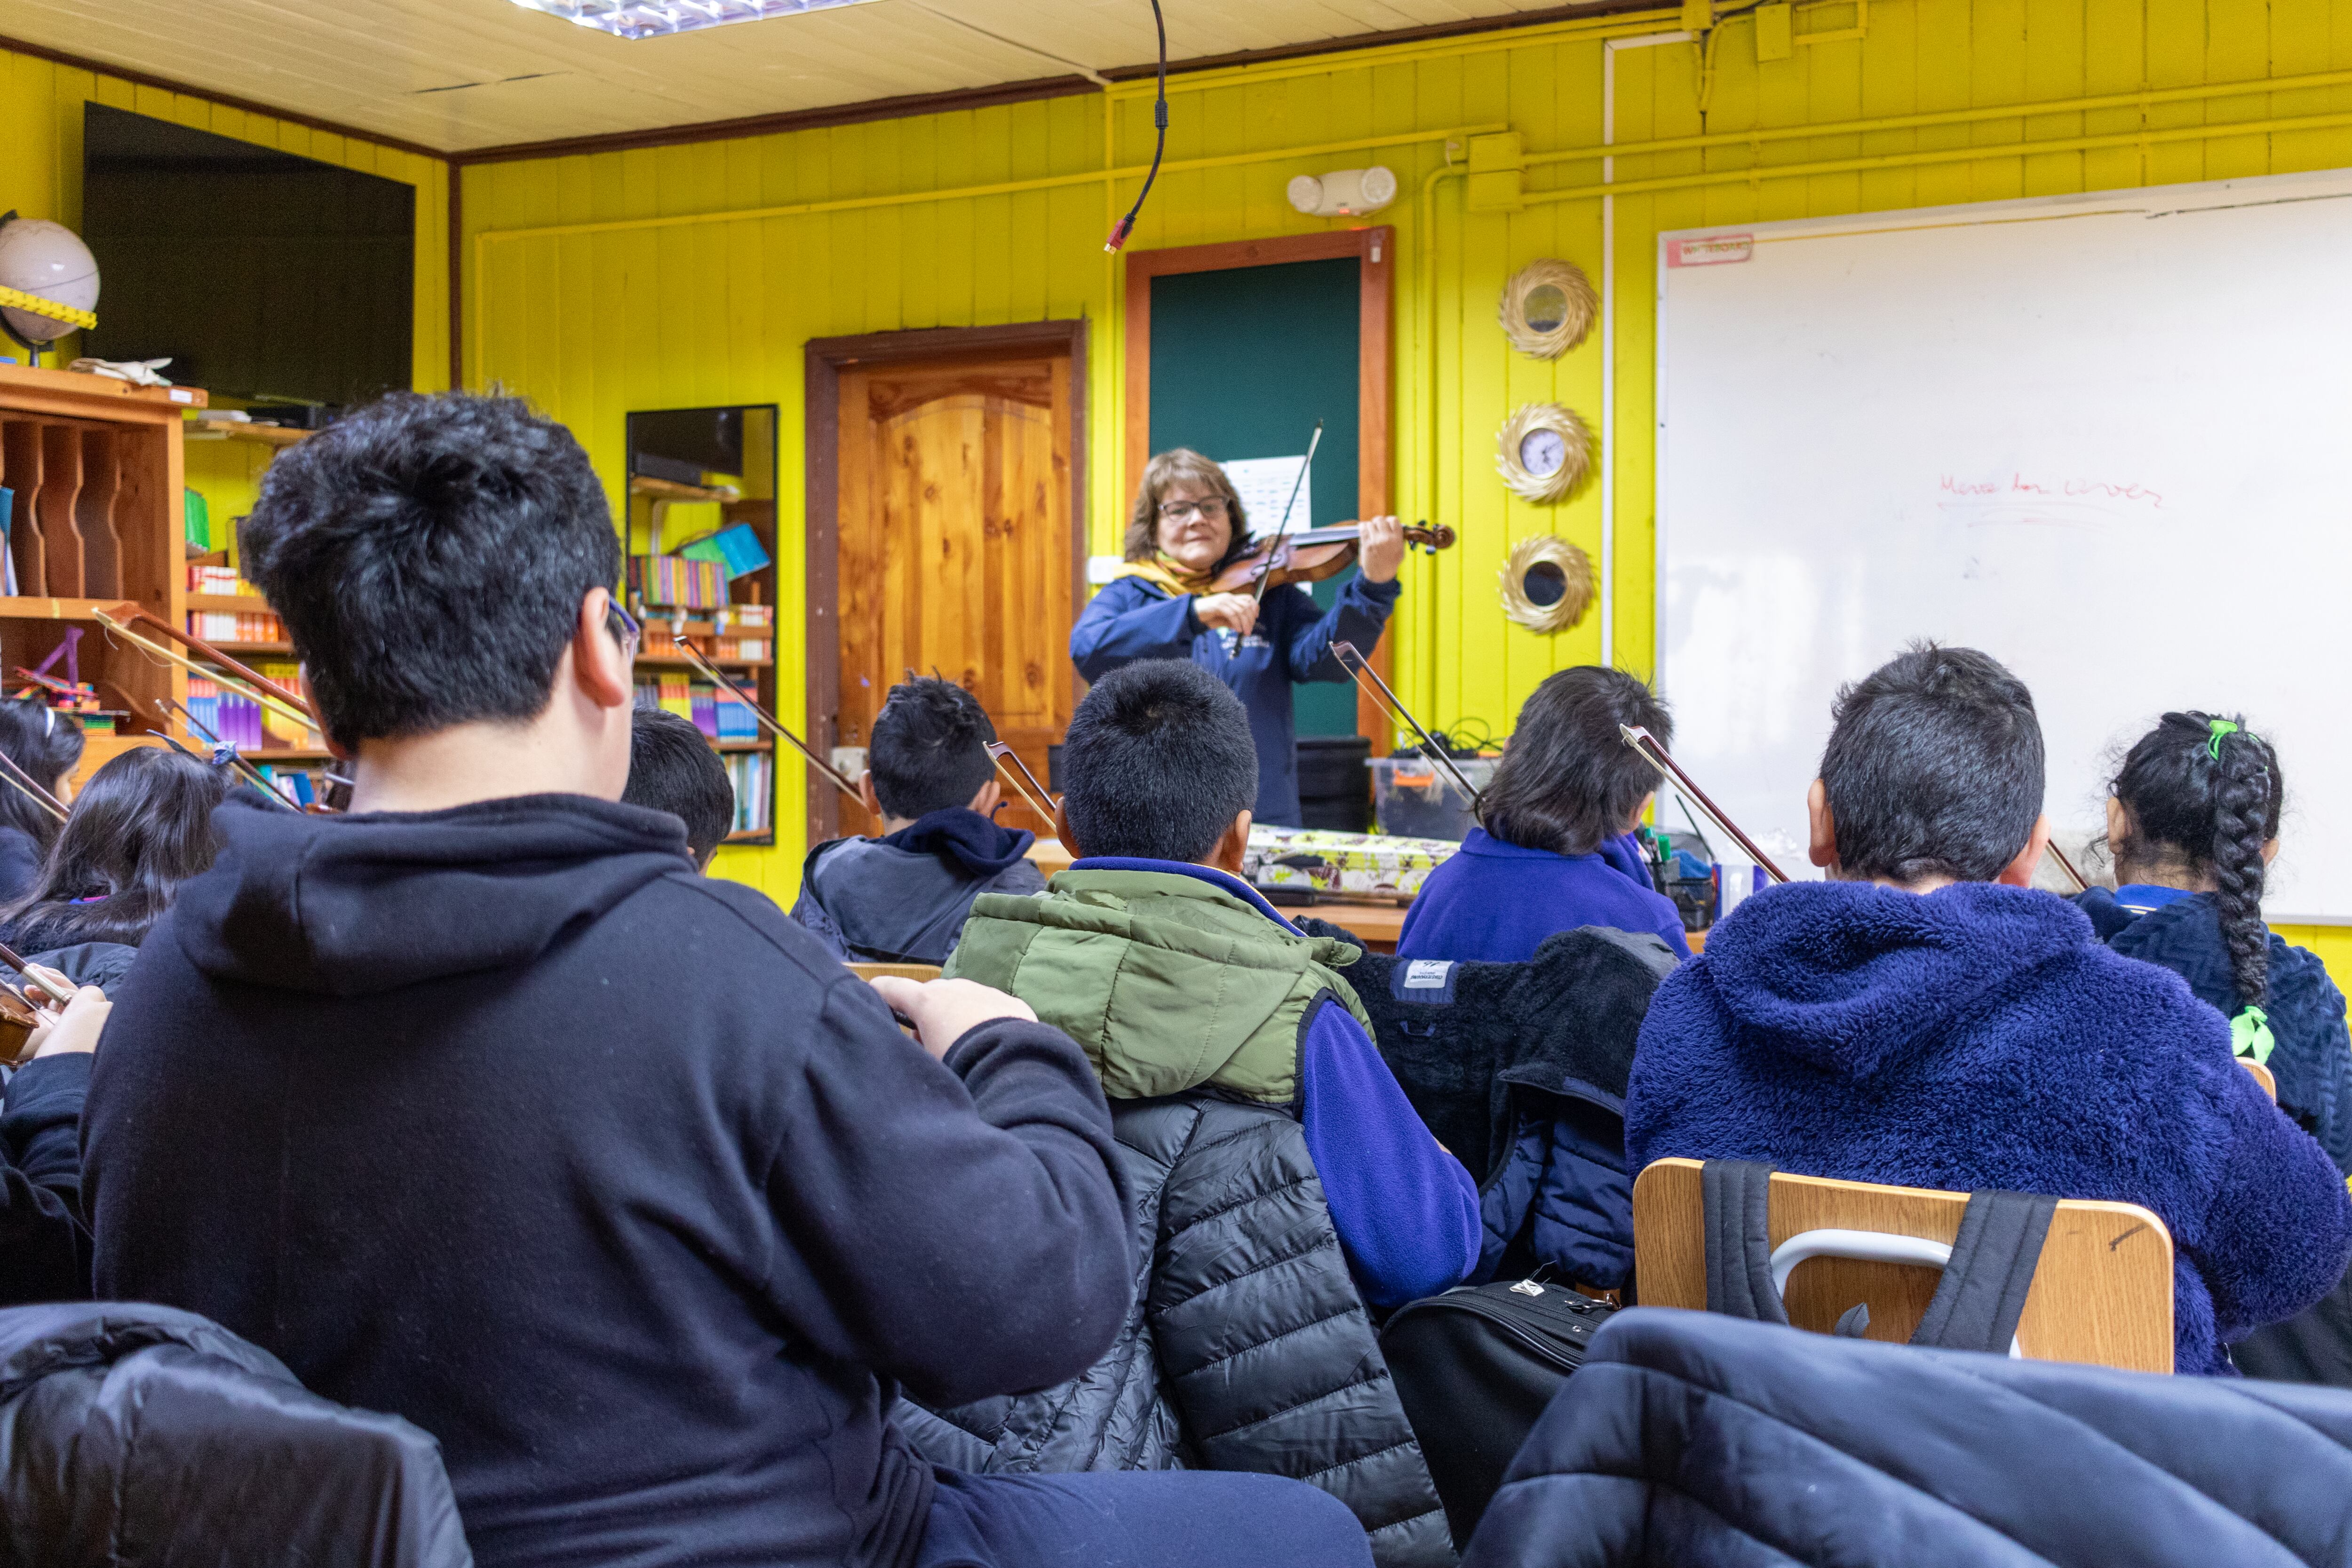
49,259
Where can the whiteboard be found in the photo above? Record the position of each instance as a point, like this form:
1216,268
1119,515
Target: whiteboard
2107,439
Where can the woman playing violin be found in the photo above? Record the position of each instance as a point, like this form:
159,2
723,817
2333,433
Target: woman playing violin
1186,529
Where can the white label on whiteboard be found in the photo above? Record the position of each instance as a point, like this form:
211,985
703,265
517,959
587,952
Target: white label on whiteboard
1265,487
1715,250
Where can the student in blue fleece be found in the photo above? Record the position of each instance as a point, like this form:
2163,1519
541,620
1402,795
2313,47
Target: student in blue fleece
1280,1178
1555,849
1924,1018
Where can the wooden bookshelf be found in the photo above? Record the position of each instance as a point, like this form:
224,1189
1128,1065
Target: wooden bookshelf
94,466
754,504
231,431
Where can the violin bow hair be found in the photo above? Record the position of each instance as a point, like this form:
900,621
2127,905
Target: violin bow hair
1357,665
832,775
1645,746
1274,544
1024,783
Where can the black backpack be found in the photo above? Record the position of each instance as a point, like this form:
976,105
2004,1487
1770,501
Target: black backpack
1473,1368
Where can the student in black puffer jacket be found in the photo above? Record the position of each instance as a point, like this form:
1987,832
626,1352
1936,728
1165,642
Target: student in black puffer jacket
1247,1348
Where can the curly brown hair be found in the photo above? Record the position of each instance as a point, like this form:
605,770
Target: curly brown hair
1180,463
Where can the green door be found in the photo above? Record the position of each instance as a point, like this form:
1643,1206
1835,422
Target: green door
1243,362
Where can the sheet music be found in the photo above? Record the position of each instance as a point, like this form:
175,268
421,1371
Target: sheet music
1265,486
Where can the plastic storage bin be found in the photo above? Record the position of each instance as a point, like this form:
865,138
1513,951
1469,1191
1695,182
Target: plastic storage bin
1413,798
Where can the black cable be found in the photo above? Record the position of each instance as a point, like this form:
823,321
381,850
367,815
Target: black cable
1126,226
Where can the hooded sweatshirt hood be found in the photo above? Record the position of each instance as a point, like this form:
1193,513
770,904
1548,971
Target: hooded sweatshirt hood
351,906
1847,977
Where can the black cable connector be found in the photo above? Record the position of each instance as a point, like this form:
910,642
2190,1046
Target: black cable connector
1126,226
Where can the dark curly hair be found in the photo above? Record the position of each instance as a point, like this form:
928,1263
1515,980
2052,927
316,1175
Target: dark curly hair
2204,794
428,556
929,751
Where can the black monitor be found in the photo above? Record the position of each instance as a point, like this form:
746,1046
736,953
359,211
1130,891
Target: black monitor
264,275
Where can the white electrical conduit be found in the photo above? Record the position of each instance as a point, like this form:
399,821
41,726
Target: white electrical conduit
1608,587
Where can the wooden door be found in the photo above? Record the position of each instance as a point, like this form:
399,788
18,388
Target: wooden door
956,545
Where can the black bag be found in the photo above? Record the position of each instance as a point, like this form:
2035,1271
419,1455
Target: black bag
1473,1368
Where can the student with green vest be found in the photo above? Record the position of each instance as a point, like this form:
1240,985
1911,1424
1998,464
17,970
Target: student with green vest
1278,1178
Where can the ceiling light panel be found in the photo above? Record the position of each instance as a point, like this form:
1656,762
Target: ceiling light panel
656,18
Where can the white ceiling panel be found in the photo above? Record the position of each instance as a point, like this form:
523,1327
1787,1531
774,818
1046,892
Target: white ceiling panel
455,75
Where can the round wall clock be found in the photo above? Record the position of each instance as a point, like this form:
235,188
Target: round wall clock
1548,307
1543,452
1546,584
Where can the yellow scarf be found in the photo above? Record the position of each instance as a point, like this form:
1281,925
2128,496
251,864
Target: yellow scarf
1164,575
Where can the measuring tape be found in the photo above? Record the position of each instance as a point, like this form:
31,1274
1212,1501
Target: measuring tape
18,299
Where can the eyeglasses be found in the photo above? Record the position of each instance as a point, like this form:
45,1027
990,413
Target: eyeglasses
1178,510
624,628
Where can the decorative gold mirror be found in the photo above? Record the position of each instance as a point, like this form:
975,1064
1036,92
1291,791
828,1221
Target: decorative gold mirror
1543,452
1548,307
1546,584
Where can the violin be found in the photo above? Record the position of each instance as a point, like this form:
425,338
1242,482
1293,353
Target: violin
1310,556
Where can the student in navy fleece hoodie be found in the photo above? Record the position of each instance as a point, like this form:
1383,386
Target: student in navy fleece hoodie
479,1106
1554,849
902,898
1924,1018
44,1241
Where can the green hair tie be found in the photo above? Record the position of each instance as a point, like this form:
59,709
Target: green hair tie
2220,727
2250,1036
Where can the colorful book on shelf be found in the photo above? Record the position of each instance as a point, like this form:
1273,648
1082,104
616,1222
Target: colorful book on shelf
753,775
672,582
733,718
283,730
736,548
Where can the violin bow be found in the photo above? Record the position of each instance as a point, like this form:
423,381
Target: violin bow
832,775
1265,571
30,787
260,688
2082,883
237,762
1354,664
1039,798
1645,746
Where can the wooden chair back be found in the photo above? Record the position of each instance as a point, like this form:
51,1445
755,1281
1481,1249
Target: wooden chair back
2102,1293
2262,1076
903,971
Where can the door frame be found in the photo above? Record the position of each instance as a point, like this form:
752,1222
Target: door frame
1375,249
826,358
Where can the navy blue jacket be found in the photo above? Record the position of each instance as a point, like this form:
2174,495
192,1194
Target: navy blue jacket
503,1119
1982,1036
2312,1059
1495,901
1689,1440
1132,619
44,1245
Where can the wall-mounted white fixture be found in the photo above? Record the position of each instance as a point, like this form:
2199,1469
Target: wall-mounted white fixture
1344,193
654,18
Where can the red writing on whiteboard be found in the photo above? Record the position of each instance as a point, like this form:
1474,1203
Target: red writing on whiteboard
2018,484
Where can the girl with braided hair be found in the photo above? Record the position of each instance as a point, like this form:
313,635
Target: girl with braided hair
2193,823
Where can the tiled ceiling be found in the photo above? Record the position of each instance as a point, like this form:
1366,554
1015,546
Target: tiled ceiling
455,75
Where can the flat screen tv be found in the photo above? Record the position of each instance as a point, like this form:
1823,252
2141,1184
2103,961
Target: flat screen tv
264,275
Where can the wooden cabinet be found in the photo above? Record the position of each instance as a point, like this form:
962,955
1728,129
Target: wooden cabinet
94,465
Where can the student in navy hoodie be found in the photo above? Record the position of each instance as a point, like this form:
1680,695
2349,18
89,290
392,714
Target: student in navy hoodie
902,898
1924,1018
1554,849
45,1242
479,1106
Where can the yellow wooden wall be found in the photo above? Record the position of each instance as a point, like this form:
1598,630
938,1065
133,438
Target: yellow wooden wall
40,176
690,275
